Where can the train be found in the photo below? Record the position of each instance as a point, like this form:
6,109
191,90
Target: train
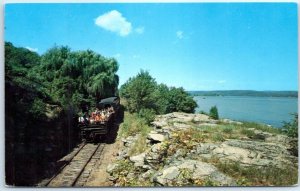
98,124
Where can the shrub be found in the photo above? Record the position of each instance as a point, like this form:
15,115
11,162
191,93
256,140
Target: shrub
147,114
213,112
291,128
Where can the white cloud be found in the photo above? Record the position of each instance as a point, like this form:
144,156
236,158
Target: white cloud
114,21
140,30
179,34
32,49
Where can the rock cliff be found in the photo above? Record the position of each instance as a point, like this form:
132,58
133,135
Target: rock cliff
192,149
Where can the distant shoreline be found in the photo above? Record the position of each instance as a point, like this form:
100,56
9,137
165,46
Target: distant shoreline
248,93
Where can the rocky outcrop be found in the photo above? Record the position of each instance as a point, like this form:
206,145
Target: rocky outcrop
178,156
190,171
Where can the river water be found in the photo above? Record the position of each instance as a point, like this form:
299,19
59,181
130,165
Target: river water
268,110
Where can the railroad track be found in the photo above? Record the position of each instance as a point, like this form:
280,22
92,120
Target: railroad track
78,170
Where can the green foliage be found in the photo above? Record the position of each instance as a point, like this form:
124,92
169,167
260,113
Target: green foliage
25,96
228,130
291,128
260,176
179,100
203,112
249,133
84,73
133,125
38,109
142,92
218,137
213,112
147,114
139,92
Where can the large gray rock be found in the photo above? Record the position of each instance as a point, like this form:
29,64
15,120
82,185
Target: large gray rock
229,121
156,137
138,160
181,126
111,168
255,153
197,171
168,175
258,134
160,123
201,118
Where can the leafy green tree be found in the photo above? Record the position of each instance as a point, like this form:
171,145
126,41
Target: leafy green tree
86,74
162,97
213,112
179,100
142,92
139,92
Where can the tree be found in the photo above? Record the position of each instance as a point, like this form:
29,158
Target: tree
142,92
213,112
179,100
139,92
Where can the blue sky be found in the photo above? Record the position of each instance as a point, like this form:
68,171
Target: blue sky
199,46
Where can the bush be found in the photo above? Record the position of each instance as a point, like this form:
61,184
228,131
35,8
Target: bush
147,114
291,128
213,112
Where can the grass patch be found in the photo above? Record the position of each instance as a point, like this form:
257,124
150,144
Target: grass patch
249,133
260,176
139,146
262,127
227,129
133,125
217,137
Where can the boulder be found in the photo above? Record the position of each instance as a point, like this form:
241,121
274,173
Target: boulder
111,167
167,175
138,160
197,170
258,134
201,118
160,123
254,153
156,137
229,121
181,126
